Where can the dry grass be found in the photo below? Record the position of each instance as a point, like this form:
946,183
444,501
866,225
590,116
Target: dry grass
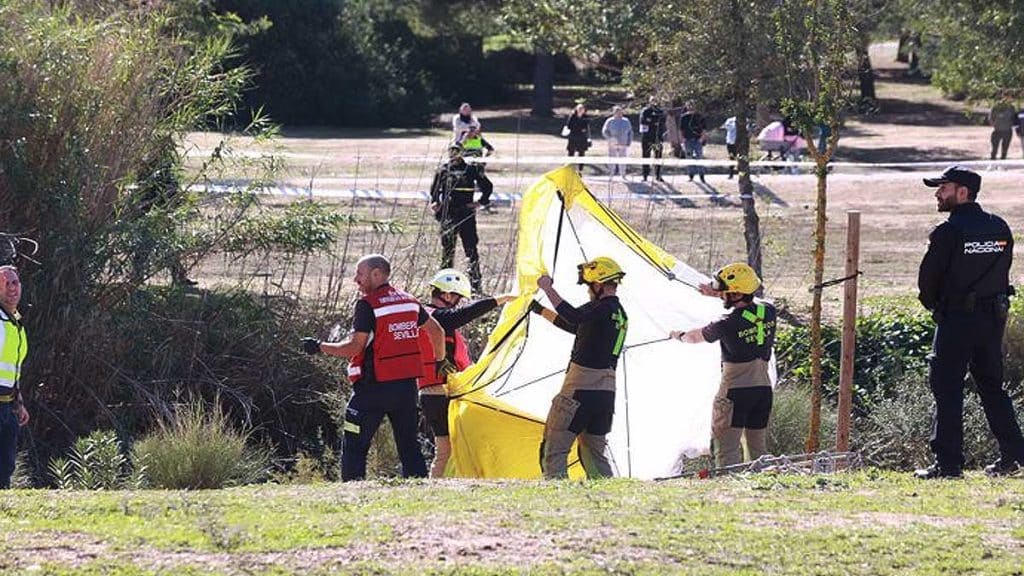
699,226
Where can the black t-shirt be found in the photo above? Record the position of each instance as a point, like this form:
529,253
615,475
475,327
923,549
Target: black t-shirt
600,327
364,320
746,333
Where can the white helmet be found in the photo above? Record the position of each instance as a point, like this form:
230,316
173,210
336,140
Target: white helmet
451,280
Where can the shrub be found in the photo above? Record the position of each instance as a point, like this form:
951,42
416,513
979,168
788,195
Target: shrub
317,462
790,424
1014,364
22,477
895,434
893,341
198,449
97,462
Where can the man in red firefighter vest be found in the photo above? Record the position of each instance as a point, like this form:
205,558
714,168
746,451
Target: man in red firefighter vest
385,364
448,289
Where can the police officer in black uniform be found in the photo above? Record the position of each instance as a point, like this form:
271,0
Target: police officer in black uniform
451,199
964,282
652,135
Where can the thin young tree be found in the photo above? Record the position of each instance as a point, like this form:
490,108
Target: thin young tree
819,42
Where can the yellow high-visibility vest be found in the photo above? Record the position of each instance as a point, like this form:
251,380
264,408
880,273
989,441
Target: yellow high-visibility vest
13,349
476,143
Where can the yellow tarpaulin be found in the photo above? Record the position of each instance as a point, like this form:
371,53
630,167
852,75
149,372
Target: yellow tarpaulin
497,409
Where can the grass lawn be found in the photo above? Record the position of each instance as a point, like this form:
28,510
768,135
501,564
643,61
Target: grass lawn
865,522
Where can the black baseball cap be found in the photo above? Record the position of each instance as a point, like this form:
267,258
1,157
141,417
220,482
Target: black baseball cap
959,175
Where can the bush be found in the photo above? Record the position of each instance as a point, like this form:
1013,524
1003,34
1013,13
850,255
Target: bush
895,434
1014,363
198,449
317,462
790,423
893,341
97,462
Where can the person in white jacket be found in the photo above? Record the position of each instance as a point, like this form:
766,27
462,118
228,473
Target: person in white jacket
463,122
618,131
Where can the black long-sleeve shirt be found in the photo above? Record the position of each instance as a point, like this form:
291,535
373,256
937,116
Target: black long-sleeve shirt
970,252
451,319
744,335
579,128
600,328
652,124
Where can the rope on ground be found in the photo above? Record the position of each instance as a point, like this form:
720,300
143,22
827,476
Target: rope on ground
824,462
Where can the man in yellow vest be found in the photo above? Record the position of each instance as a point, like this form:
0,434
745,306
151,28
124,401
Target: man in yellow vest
744,400
13,348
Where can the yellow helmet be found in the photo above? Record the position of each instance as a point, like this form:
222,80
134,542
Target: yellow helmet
451,280
600,269
738,278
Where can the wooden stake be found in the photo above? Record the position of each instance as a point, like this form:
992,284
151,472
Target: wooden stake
849,331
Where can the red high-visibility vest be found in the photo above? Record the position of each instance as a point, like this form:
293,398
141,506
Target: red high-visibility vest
454,344
395,339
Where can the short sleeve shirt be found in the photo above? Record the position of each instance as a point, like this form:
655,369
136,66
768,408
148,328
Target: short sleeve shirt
745,334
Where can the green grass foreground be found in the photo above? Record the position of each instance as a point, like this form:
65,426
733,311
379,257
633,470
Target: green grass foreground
861,523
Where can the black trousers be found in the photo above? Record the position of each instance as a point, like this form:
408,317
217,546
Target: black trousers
970,341
1001,142
459,224
8,443
370,403
647,147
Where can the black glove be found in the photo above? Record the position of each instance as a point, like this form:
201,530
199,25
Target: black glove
535,307
311,345
444,368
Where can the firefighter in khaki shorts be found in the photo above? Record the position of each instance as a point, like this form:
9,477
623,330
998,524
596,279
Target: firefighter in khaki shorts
747,334
586,403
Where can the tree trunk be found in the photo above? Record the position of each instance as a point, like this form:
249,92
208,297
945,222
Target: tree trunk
764,115
814,430
741,96
751,221
543,83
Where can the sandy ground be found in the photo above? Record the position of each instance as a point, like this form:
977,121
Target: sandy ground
702,224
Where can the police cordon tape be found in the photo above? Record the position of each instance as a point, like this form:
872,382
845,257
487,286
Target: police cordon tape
708,192
984,165
496,197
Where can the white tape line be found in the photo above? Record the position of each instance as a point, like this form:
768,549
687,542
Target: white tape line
496,197
985,165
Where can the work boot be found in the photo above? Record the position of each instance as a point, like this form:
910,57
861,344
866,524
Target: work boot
1002,467
935,471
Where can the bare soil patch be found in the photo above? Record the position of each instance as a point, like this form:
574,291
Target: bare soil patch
701,224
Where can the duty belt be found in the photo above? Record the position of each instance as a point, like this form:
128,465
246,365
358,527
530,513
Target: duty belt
988,304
